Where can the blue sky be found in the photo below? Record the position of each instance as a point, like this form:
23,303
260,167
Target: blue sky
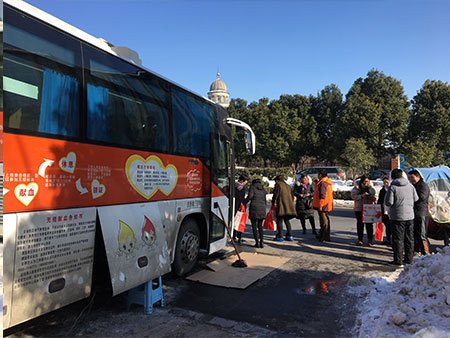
266,48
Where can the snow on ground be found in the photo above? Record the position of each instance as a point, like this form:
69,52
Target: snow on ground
338,185
349,184
413,302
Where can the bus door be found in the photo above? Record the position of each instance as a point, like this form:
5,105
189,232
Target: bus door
220,192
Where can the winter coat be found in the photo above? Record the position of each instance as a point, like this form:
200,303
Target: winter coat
381,197
283,199
361,198
423,191
301,205
323,195
400,198
257,198
239,195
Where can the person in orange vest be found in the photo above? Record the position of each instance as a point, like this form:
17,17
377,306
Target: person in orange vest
323,203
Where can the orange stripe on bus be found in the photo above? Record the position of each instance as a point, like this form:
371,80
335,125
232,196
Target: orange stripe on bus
42,174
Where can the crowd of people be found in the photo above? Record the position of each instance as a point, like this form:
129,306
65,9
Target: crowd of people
403,201
289,203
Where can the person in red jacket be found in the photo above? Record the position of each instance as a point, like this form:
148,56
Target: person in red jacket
323,203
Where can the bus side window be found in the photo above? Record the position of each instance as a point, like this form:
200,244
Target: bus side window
192,121
125,105
41,77
220,163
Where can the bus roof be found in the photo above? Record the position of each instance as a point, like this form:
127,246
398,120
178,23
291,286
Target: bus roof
81,35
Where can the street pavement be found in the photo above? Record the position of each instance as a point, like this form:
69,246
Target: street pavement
306,297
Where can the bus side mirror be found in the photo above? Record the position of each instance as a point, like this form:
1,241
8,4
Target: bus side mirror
250,140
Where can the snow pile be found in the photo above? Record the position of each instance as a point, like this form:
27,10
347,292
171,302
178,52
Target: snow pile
416,303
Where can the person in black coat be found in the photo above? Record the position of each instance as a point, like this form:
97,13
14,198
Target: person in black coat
421,244
239,198
257,210
385,217
304,193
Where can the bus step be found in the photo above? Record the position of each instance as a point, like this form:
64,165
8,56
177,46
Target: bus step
146,294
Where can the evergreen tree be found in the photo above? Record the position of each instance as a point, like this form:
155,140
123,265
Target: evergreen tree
283,133
419,154
429,127
238,110
305,137
357,155
258,117
375,110
325,110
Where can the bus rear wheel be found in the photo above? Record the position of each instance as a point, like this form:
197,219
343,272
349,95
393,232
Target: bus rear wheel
187,248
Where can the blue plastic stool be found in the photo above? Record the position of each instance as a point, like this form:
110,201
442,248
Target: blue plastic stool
146,294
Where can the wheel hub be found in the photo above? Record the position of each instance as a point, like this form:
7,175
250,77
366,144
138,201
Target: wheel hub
190,246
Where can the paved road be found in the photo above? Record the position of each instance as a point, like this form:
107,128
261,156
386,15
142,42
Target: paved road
285,301
283,304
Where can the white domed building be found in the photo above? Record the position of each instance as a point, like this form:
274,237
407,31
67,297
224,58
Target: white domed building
218,92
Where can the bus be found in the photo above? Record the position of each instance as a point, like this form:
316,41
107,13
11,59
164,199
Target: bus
110,170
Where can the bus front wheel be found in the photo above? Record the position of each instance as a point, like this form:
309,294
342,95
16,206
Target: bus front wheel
187,248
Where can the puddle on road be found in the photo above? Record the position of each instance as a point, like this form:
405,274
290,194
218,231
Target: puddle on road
319,287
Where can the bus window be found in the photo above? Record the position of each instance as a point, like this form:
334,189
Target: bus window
192,121
220,175
41,83
125,105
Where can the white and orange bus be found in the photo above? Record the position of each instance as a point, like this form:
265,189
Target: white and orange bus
110,170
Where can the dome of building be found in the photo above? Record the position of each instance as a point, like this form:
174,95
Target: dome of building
218,92
218,84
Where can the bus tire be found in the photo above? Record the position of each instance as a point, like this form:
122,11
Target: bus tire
187,248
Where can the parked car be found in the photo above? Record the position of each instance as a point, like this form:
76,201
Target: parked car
377,174
335,173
